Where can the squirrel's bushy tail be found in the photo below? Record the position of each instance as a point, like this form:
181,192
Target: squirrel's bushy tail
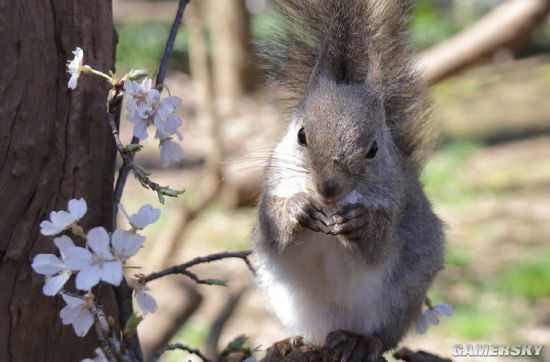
362,39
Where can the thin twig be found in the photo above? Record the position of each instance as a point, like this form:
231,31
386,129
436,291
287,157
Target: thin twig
126,156
127,164
182,268
124,293
102,327
179,346
169,47
123,173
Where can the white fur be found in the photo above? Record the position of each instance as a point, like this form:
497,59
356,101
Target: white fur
288,181
316,285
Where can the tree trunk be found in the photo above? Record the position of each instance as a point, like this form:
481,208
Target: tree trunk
55,145
232,57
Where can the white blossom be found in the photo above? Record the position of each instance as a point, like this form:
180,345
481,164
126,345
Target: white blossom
138,108
146,215
126,244
63,220
97,264
77,312
74,67
145,301
100,357
53,268
165,121
430,316
145,107
170,151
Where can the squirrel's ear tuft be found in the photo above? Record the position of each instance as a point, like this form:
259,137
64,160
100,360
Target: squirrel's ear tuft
320,69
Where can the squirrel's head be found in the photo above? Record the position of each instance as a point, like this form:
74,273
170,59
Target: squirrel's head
342,136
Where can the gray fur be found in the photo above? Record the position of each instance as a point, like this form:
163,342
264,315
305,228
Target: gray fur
344,66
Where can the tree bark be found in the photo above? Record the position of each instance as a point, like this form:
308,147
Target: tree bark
55,145
232,58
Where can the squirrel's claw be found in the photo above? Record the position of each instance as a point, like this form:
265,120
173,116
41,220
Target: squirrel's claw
350,347
348,220
307,212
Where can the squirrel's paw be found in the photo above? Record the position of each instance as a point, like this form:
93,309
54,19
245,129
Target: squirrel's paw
349,220
290,349
306,212
351,347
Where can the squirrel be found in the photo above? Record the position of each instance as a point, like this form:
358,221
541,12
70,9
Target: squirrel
347,241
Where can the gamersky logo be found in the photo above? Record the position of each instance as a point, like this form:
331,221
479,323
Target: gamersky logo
496,350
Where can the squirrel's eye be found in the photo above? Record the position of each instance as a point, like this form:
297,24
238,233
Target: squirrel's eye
302,137
372,152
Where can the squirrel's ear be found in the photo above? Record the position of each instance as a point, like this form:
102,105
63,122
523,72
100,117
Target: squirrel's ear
320,68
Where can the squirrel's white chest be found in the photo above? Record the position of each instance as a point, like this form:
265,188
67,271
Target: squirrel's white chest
316,286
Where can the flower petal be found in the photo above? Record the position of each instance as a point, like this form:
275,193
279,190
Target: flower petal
68,314
47,264
48,228
77,258
98,239
78,54
131,88
140,129
146,302
111,272
153,96
77,208
54,284
73,81
146,85
444,309
146,215
431,317
173,122
82,322
88,278
126,244
72,301
144,110
63,243
61,219
422,325
170,151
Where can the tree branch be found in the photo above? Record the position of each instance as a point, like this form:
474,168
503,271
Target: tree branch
127,164
505,27
127,157
169,47
179,346
182,268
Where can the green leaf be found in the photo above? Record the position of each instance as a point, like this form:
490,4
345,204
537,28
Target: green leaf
131,325
133,148
237,344
161,198
137,74
223,283
167,191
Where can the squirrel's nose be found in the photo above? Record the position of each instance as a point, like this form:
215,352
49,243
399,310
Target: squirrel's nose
329,189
